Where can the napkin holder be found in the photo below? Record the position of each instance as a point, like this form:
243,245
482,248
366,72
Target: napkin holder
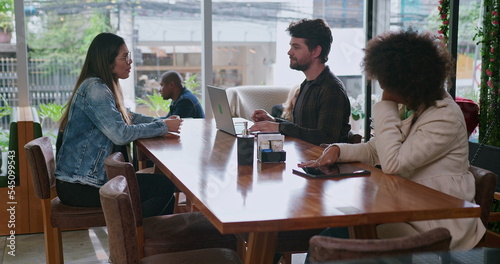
270,148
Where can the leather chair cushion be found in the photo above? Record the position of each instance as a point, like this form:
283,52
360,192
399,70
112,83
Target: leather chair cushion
485,188
64,216
323,249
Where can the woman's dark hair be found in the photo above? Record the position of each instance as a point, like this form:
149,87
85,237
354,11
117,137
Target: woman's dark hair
412,65
316,32
99,63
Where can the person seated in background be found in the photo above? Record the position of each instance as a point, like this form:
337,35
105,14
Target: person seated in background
430,146
184,103
284,110
321,111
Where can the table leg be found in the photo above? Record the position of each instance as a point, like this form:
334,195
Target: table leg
363,232
261,248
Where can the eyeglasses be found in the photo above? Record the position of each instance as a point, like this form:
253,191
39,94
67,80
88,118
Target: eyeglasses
128,58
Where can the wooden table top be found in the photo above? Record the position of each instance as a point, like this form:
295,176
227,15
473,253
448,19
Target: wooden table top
267,197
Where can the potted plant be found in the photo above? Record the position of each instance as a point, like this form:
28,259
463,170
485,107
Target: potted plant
5,110
6,27
357,113
156,104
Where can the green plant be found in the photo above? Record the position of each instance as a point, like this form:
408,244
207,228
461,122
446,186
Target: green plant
357,107
50,111
488,36
6,16
471,94
6,24
444,9
438,21
357,114
191,84
6,5
4,140
5,110
59,36
155,102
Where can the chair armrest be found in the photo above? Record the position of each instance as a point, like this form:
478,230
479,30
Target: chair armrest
495,216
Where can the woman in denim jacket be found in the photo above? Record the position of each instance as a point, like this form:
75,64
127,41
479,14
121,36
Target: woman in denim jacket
96,120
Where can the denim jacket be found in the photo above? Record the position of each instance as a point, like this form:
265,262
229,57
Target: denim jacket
94,126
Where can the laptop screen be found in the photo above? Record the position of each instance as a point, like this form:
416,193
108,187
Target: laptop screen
222,112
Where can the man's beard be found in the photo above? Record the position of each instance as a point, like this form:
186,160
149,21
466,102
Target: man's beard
298,66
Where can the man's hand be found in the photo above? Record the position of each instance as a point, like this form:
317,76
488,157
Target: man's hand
262,115
265,126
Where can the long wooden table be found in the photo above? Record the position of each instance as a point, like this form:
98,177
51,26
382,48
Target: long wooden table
267,197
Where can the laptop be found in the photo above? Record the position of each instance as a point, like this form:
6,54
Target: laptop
222,112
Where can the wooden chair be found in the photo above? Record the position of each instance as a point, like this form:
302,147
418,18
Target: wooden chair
324,248
143,165
167,233
488,159
122,233
492,239
56,216
485,190
355,138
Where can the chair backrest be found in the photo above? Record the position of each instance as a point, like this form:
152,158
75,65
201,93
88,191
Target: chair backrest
354,138
115,165
243,100
324,248
42,165
487,158
122,232
470,109
485,188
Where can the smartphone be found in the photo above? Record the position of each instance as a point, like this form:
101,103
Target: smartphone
331,171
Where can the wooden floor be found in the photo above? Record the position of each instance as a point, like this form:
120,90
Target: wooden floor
83,246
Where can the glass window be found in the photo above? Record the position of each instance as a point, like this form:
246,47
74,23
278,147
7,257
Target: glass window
424,15
249,43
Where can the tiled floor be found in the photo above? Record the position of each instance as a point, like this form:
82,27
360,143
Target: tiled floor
83,246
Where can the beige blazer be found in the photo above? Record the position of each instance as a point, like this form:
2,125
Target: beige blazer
433,152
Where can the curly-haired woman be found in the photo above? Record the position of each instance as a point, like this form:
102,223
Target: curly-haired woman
430,145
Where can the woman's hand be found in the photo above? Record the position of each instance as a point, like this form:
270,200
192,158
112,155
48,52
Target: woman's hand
173,123
388,96
330,155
